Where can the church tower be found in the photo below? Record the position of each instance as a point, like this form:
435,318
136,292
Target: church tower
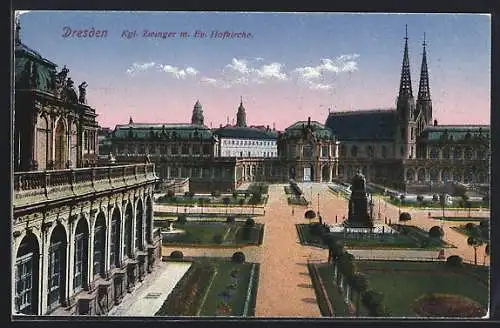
424,103
405,108
197,117
241,116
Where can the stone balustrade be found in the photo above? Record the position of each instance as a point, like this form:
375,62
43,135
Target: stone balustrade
38,186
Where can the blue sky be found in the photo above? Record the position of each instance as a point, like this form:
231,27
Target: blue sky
363,54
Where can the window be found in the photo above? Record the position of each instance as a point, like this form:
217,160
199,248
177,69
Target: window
55,277
446,153
434,153
384,152
457,153
196,149
24,283
99,244
369,151
402,151
343,151
411,136
354,151
174,149
80,259
195,172
114,254
151,149
142,149
307,151
402,133
468,153
241,154
324,151
206,149
185,149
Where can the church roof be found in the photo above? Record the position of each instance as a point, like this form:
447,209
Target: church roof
245,133
377,124
176,131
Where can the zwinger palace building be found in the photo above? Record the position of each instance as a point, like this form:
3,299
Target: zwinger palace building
82,235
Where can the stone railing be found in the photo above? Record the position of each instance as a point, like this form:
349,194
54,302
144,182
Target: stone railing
38,186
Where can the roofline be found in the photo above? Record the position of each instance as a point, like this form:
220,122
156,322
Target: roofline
363,111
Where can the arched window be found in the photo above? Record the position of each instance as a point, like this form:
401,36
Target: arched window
26,275
81,255
369,151
99,249
127,247
114,254
343,151
138,226
57,267
149,221
457,153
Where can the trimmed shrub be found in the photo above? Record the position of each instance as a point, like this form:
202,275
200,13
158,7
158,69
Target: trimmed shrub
181,219
436,232
235,194
238,257
315,229
170,193
230,219
484,223
454,261
470,226
420,198
176,255
250,223
435,197
217,239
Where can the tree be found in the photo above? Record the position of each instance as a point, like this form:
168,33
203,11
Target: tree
310,215
404,217
373,301
359,283
347,269
436,232
475,242
486,252
420,198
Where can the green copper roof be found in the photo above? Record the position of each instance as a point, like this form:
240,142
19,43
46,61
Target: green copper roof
456,132
297,128
168,131
45,69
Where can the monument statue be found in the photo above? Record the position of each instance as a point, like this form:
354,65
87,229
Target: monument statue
82,92
359,215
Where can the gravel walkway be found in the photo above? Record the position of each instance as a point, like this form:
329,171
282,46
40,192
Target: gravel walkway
149,296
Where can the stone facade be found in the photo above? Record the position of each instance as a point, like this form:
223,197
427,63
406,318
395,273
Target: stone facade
309,152
404,148
54,128
81,238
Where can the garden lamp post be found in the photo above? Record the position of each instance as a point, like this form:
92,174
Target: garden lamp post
318,203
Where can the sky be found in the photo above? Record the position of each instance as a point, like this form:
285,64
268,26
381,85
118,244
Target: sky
285,67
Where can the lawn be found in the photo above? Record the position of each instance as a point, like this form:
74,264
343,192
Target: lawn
402,282
214,287
300,201
414,239
434,204
335,297
213,233
421,237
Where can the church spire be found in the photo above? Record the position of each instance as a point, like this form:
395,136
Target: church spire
241,117
423,88
405,85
